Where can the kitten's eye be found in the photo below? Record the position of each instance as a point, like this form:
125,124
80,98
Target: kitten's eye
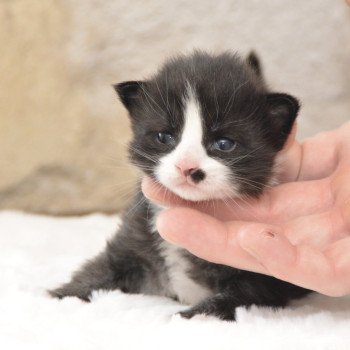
165,138
224,144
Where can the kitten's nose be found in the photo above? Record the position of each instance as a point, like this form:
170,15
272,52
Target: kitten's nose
195,172
186,167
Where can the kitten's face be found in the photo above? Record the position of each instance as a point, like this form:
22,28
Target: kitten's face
206,128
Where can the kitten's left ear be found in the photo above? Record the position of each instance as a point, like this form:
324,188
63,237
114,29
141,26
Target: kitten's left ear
282,110
129,92
253,62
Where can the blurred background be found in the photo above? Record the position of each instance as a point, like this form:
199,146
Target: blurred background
63,131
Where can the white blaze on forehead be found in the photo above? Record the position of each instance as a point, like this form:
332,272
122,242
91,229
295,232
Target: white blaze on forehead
192,134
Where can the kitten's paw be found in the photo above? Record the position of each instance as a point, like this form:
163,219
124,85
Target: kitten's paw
69,291
189,313
212,307
192,312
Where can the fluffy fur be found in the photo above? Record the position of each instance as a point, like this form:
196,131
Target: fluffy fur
205,127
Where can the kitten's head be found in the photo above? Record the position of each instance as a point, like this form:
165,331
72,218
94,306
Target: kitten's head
206,127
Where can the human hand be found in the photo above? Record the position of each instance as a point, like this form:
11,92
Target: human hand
298,231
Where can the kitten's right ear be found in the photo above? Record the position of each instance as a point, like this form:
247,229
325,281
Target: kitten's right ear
129,92
254,63
282,110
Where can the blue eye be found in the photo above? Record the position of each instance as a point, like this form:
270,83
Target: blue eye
165,138
224,145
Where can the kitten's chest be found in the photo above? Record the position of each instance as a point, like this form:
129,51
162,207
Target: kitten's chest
180,284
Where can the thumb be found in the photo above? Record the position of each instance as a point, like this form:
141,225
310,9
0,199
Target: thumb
288,160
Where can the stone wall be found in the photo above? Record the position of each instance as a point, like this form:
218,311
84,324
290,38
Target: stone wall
62,130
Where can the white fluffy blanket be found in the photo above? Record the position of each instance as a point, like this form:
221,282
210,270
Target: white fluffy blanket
40,252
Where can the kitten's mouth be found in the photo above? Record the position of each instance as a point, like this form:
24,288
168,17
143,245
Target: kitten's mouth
188,190
186,182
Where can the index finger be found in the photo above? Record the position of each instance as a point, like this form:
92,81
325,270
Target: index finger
281,203
206,237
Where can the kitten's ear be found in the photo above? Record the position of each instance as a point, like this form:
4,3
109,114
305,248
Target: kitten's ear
282,110
254,63
129,92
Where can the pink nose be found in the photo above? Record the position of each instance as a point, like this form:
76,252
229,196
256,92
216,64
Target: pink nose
187,168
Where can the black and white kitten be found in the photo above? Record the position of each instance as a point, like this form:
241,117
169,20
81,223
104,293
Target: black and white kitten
205,127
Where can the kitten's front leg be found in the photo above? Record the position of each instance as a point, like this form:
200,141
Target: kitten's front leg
93,275
220,305
223,305
107,271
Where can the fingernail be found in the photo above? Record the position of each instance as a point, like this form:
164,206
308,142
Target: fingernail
255,243
268,234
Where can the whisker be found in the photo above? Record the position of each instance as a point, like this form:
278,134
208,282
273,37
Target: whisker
252,181
245,199
135,206
143,154
250,184
216,103
233,97
234,161
161,95
148,98
238,122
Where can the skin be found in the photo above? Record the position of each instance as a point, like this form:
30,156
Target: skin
298,231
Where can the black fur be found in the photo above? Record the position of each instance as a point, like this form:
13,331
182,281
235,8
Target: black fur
236,104
254,62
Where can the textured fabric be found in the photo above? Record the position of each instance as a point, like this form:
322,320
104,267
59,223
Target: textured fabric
40,252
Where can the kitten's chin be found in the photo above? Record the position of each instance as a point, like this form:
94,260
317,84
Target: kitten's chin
194,194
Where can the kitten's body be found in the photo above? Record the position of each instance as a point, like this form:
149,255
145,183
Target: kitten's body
184,120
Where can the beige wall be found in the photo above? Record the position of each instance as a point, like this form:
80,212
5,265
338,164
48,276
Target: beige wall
62,129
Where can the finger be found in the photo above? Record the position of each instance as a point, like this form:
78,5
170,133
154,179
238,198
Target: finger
339,257
302,162
288,201
318,231
301,265
320,156
206,237
260,248
279,204
288,161
282,203
291,138
159,194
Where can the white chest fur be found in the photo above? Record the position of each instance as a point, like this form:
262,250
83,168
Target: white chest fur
180,283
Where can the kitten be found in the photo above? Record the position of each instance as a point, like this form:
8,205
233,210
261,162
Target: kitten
205,127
